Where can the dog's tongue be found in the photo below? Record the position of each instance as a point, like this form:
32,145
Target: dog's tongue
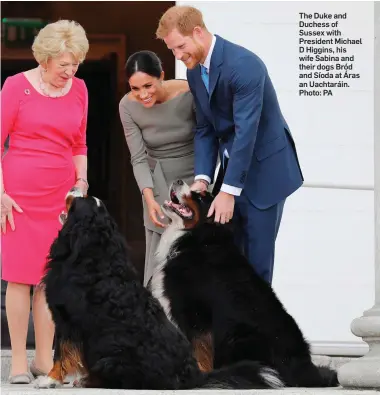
183,210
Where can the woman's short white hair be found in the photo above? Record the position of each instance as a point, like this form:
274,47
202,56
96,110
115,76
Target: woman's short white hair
59,37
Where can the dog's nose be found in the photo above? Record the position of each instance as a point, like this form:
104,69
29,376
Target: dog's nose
179,182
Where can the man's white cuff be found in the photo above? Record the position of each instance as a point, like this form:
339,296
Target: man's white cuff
203,177
231,190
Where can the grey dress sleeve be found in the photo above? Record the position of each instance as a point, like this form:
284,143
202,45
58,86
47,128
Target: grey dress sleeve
136,148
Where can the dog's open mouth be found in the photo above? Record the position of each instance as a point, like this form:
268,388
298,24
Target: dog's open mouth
179,208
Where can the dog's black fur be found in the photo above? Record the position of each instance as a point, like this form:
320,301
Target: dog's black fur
109,326
212,289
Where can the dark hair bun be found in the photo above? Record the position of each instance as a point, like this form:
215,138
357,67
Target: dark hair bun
146,62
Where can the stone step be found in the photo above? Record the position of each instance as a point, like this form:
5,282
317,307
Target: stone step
333,362
30,390
6,365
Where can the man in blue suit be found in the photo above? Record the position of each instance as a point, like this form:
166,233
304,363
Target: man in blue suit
239,117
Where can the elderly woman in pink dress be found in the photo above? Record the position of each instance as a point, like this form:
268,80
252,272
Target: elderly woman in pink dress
44,113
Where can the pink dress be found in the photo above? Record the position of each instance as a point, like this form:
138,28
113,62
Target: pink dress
38,169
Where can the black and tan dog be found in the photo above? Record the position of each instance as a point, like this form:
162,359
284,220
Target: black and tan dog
109,328
211,293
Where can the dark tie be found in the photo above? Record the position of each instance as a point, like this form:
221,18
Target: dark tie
220,177
204,74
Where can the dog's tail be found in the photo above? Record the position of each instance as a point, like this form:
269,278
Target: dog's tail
309,375
328,377
243,375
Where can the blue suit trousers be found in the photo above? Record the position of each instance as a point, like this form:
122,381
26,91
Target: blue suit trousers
255,232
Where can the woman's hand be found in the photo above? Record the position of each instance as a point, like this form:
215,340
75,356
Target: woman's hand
154,211
82,185
7,206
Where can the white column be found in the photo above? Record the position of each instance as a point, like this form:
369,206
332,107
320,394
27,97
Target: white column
365,372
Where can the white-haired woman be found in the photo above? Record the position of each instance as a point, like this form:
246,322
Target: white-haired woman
44,113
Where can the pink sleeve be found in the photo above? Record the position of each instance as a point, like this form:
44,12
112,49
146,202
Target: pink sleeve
80,146
9,108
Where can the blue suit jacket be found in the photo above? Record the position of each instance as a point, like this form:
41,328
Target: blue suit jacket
242,114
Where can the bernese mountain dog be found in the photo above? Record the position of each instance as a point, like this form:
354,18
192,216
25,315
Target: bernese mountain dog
211,293
109,328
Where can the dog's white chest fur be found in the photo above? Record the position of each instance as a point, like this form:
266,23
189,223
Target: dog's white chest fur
171,234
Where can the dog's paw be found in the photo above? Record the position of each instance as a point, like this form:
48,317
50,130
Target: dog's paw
47,382
80,382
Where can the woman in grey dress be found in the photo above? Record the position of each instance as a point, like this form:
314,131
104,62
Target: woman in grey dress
158,118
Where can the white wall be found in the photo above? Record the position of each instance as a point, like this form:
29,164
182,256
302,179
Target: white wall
324,270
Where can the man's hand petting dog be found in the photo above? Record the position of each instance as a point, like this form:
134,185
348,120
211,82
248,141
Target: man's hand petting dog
223,206
199,185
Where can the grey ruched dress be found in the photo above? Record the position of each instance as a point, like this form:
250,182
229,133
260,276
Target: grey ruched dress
160,141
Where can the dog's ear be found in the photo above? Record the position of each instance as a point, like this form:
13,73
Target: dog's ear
229,225
212,193
211,219
71,195
206,194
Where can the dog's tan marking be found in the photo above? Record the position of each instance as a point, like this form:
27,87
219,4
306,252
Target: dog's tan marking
69,200
71,195
189,202
203,352
70,362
